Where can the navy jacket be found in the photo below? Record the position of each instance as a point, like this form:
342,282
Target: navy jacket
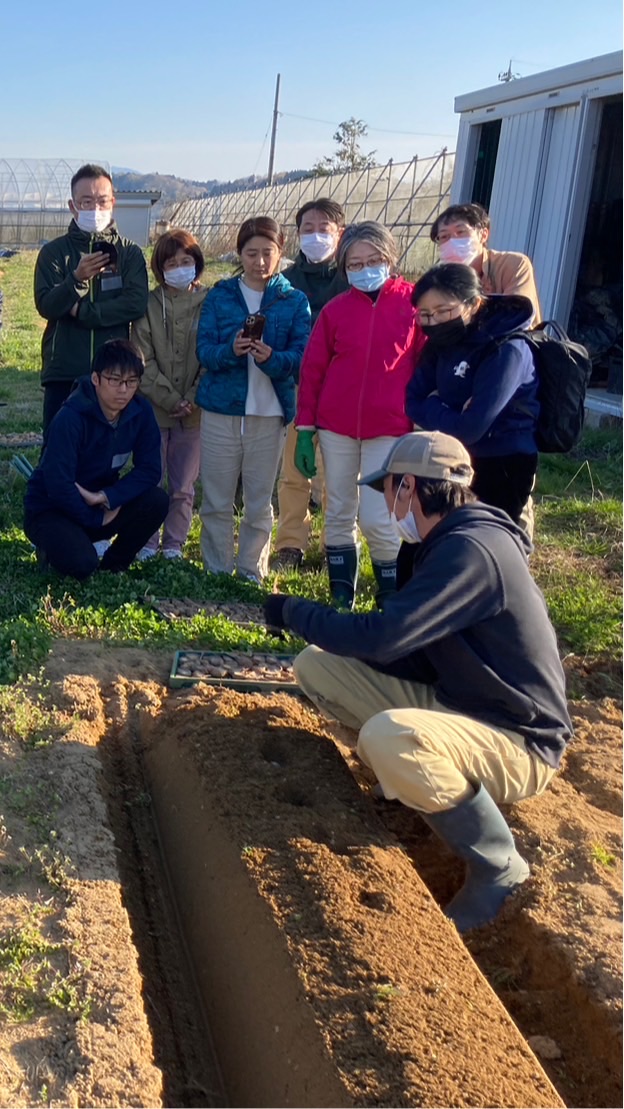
501,384
83,447
471,621
223,384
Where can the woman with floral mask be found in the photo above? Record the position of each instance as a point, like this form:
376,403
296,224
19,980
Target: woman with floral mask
167,335
475,383
352,393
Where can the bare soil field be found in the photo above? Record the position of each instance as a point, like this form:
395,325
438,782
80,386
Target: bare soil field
230,917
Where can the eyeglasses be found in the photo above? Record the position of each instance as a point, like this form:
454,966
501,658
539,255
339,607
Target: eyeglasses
90,204
439,315
355,267
119,382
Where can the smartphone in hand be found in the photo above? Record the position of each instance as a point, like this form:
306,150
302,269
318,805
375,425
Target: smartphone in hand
253,327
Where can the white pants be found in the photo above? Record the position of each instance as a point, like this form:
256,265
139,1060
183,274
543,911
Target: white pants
347,503
233,446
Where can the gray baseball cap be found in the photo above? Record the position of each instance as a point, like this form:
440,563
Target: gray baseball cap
429,454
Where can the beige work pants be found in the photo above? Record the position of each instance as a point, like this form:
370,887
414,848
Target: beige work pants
293,497
422,754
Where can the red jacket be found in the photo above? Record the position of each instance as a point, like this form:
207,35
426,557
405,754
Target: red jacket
358,361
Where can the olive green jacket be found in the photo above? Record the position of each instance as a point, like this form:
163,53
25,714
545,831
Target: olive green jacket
104,312
167,335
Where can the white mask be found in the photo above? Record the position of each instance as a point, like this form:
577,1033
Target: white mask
463,250
94,220
406,528
180,277
318,247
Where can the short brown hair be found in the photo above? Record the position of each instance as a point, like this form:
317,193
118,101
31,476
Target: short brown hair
260,225
167,247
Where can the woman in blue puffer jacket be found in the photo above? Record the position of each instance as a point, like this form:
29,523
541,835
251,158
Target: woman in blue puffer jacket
247,396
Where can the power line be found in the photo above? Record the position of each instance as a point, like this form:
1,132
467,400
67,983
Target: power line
384,130
266,135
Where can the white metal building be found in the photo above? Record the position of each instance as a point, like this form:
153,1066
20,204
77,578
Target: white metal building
544,155
133,213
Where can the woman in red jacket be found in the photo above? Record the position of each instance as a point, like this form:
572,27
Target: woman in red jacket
352,384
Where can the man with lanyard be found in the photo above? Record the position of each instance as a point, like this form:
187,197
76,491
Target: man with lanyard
90,284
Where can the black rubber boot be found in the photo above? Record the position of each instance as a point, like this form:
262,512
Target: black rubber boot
342,567
477,831
386,578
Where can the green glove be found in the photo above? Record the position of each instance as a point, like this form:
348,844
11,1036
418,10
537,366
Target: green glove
305,453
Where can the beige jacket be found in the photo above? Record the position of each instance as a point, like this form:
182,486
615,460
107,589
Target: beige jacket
167,334
506,273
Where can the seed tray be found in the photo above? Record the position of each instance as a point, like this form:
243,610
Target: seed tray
183,607
251,673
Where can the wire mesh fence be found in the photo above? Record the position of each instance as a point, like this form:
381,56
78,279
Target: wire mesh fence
405,196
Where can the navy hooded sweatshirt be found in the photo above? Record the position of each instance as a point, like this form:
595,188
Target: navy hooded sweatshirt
497,378
84,447
470,621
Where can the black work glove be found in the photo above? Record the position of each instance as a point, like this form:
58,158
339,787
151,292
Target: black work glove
273,611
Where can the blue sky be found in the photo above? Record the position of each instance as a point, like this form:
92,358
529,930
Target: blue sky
187,88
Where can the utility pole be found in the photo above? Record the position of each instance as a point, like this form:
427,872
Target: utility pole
274,131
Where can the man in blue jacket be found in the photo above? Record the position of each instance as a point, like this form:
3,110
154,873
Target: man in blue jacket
76,496
456,688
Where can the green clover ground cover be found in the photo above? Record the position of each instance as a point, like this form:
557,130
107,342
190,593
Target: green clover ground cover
577,561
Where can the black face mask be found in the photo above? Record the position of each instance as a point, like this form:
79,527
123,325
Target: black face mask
446,334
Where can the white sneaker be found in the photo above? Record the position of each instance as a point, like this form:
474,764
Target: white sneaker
245,576
171,552
102,546
145,553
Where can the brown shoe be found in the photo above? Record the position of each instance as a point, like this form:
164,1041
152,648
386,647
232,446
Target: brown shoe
288,558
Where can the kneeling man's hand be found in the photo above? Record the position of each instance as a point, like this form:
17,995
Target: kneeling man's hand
92,499
273,611
109,515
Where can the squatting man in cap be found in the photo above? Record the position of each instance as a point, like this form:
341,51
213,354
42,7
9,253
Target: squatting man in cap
456,688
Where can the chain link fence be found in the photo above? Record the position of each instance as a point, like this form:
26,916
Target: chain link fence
405,196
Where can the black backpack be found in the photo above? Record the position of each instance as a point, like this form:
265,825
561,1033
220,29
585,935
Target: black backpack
563,371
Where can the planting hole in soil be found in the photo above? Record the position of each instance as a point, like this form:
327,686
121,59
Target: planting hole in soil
289,951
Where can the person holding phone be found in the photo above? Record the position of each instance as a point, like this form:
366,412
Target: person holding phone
167,335
251,335
90,285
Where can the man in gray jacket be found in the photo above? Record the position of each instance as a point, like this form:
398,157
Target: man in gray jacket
456,688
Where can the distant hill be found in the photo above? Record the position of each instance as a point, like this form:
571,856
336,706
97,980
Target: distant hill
176,189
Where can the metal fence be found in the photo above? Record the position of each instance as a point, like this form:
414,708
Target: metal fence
406,197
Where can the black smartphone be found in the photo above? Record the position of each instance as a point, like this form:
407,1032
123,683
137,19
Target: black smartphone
106,248
254,326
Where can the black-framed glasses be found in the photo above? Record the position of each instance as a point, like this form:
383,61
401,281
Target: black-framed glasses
118,382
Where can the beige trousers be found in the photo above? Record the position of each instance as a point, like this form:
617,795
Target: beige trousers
293,497
423,754
233,446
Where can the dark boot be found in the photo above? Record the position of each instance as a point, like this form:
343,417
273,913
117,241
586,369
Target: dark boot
342,567
386,578
477,831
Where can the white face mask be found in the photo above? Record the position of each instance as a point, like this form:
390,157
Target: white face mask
318,247
406,528
463,251
94,221
180,277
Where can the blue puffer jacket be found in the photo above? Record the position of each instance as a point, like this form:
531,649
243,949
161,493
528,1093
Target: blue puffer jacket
223,385
482,390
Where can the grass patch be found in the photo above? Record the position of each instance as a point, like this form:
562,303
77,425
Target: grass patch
30,980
